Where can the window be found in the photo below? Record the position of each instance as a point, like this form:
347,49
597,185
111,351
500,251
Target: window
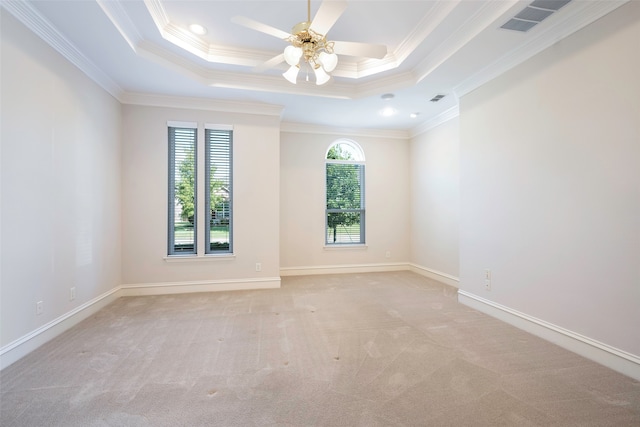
182,189
184,222
218,146
345,213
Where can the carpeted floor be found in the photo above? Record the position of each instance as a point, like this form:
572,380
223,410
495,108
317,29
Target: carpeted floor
383,349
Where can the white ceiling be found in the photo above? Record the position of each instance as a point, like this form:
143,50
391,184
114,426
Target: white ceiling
142,52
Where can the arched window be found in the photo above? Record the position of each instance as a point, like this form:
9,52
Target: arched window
345,213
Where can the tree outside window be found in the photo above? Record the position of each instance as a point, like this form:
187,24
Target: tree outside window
345,195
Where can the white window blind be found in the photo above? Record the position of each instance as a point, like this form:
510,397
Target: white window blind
182,190
219,189
345,208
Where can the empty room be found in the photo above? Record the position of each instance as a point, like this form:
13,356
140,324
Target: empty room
320,213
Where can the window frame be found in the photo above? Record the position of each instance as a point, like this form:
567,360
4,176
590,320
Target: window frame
359,161
202,210
207,129
171,211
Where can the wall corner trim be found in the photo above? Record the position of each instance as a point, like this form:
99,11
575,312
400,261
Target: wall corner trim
435,275
611,357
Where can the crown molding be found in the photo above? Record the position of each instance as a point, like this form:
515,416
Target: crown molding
120,19
32,19
432,20
368,67
207,104
582,14
482,19
249,81
253,58
337,131
386,84
436,121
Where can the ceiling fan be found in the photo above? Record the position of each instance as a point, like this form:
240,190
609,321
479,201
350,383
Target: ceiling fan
308,42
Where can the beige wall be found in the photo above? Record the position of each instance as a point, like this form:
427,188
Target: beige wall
303,203
256,201
546,164
550,184
60,179
435,199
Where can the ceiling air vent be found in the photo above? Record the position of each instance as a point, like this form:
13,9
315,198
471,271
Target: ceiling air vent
533,14
436,98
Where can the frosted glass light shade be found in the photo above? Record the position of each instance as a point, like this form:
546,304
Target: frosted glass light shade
291,74
321,76
292,54
328,61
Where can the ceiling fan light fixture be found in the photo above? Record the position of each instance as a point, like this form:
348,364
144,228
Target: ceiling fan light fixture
292,54
321,76
292,74
309,44
329,61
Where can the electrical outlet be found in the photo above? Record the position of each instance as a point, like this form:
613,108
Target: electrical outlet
258,266
72,293
39,307
487,279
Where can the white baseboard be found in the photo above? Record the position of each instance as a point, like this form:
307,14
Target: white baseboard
611,357
342,269
19,348
24,345
199,286
435,275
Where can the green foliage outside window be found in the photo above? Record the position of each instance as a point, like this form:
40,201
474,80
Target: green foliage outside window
343,190
185,189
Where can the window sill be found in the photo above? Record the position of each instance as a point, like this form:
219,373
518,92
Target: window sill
362,246
199,258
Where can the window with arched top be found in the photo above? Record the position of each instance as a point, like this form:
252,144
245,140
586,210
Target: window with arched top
345,213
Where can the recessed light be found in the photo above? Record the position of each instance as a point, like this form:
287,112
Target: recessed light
387,112
414,115
387,96
197,29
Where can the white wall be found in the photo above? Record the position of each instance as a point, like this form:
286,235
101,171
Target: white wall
435,200
550,184
256,201
60,186
302,160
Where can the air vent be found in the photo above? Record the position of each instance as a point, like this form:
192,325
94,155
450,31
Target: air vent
533,14
549,4
437,98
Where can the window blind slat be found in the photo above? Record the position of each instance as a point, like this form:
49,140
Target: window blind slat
345,214
182,190
219,211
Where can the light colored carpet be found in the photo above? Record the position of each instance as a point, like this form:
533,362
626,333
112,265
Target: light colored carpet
384,349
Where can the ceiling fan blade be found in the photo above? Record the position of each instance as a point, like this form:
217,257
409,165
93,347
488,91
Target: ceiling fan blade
259,26
327,15
269,64
365,50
